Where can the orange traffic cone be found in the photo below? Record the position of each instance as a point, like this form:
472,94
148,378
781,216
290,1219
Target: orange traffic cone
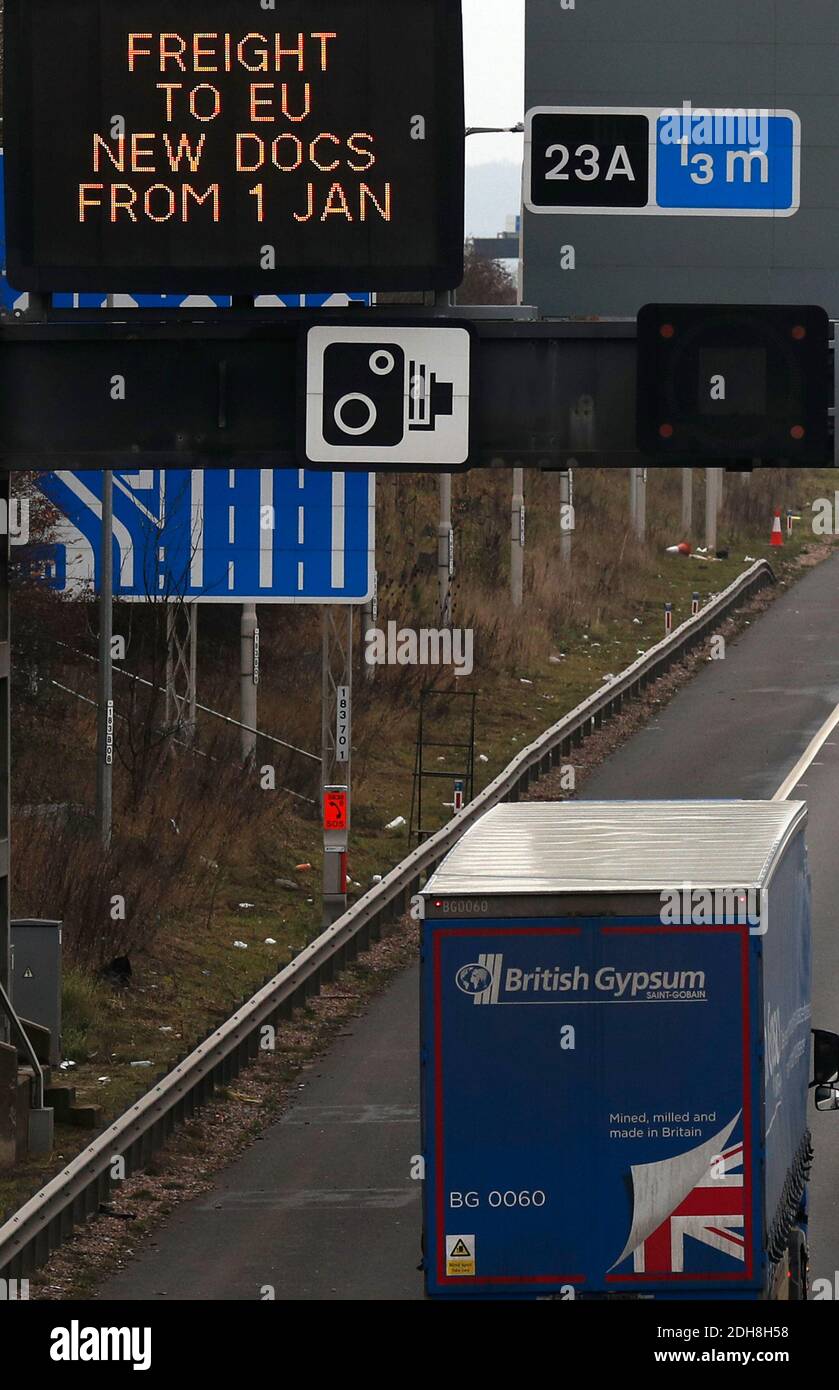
777,533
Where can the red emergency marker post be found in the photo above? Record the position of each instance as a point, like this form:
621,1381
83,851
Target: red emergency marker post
694,604
668,618
335,815
336,825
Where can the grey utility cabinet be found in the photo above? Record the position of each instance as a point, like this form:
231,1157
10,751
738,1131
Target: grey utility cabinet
36,976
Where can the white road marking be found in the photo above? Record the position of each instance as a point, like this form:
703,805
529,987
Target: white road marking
338,529
122,535
196,562
815,746
266,533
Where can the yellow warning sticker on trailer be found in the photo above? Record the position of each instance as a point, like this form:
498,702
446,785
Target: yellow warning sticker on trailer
460,1256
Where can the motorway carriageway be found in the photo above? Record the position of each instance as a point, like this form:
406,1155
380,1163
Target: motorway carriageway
324,1206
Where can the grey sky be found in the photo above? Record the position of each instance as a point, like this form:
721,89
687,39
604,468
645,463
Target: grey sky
494,50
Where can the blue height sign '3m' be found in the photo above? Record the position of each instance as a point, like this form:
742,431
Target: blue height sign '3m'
653,161
217,536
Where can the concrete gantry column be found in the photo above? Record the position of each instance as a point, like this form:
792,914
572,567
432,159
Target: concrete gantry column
687,501
445,552
566,500
248,682
638,502
711,504
105,713
517,540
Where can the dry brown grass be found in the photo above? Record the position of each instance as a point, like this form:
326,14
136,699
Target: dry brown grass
176,816
610,572
170,851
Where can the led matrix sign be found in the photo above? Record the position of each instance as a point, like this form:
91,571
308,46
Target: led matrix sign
234,145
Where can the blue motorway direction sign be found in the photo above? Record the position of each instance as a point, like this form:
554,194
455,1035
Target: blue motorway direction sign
217,536
714,162
725,164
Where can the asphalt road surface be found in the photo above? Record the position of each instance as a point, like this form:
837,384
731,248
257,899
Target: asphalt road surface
324,1206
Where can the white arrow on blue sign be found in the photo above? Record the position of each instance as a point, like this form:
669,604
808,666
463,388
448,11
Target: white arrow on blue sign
217,535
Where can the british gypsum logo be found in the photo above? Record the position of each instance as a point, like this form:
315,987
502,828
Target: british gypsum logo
486,979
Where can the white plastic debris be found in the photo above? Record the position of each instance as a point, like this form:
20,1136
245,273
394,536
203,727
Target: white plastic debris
396,824
140,1064
637,620
482,758
270,941
165,1029
241,945
247,905
377,878
525,681
65,1066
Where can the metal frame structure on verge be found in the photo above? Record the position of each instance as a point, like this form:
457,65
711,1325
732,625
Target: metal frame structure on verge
181,666
467,774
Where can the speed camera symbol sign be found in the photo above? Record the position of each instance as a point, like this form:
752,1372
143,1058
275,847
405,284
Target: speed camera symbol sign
388,396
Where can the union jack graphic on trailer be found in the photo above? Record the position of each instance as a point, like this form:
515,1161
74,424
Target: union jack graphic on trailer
698,1194
713,1213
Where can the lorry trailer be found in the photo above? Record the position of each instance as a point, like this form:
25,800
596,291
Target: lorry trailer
616,1053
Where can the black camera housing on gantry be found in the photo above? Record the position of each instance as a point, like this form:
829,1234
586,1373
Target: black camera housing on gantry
373,396
733,381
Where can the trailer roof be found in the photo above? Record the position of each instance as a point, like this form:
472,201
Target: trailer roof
618,846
